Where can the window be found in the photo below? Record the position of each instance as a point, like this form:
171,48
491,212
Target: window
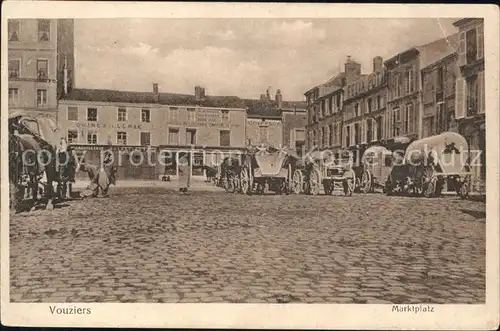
225,115
331,137
173,136
14,67
191,115
472,95
439,79
42,69
121,138
41,97
370,105
13,96
348,136
440,119
397,115
397,86
92,114
324,137
357,134
122,114
263,133
408,120
145,115
72,136
356,109
369,130
379,128
72,114
13,27
379,105
225,138
191,136
92,137
145,138
410,80
43,30
471,45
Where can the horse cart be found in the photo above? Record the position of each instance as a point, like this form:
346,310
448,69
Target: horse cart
266,167
333,172
38,158
429,163
376,165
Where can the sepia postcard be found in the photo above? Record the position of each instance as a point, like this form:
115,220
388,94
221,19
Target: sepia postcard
250,165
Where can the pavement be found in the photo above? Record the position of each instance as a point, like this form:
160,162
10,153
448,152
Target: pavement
155,245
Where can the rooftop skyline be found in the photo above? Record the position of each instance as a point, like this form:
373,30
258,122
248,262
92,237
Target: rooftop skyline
238,57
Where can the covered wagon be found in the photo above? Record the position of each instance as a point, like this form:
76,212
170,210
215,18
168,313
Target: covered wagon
431,161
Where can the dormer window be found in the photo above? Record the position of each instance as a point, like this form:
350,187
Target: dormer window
13,27
43,30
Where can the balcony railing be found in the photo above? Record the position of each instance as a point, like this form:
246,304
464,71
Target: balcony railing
13,73
42,76
472,106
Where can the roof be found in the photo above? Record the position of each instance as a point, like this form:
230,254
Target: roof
101,95
433,52
262,109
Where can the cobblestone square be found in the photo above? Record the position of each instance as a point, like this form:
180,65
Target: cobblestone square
154,245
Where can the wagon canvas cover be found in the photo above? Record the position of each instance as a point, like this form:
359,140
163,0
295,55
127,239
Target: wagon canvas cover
270,163
449,150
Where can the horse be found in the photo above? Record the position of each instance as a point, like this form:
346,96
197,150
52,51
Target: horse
54,165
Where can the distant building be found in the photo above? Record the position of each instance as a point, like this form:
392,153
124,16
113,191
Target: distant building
325,108
365,108
470,91
41,62
274,122
154,121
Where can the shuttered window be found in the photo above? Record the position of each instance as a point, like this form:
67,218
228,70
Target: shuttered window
460,102
481,92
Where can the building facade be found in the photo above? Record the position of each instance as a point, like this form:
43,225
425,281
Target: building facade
294,128
154,122
365,109
403,95
438,96
325,108
38,73
470,93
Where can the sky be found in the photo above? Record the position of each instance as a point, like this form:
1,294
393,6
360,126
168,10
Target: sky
240,57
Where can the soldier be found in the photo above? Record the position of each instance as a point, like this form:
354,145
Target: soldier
184,173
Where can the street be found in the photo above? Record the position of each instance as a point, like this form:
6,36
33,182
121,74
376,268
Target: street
154,245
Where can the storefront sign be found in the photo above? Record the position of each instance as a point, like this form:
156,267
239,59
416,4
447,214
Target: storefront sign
109,125
267,122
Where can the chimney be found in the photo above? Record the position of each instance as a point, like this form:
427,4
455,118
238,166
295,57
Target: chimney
352,69
378,64
279,98
199,93
156,94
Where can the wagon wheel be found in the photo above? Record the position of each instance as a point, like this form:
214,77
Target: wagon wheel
366,182
297,181
314,181
429,185
245,182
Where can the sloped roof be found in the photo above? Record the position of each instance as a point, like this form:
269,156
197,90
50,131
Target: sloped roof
433,52
102,95
262,109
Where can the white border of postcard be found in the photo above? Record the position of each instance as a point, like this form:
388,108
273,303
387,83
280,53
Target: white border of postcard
276,316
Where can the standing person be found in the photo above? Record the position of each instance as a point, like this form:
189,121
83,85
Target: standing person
184,173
